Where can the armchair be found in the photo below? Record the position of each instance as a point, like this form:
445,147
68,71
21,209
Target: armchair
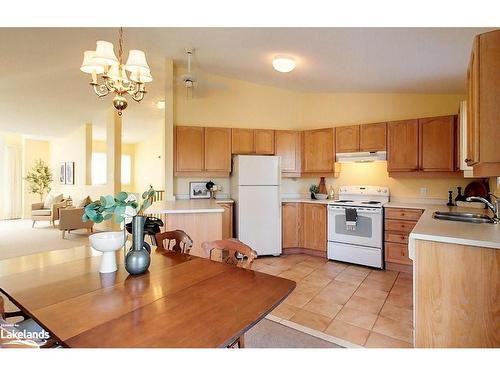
71,218
38,213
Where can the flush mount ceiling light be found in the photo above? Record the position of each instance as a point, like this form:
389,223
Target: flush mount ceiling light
103,61
283,64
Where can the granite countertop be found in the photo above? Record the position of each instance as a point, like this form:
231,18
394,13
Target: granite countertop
187,206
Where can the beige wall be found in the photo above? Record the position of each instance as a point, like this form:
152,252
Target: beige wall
243,104
72,148
127,149
149,164
33,150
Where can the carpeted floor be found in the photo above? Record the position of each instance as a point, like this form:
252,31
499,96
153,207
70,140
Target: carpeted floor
269,334
17,238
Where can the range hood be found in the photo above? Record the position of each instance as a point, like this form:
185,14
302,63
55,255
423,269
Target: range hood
360,157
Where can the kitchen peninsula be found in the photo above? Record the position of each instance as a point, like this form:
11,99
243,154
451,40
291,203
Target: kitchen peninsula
201,219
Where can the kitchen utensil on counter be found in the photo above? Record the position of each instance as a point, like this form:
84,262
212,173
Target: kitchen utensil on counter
450,198
477,189
321,196
459,197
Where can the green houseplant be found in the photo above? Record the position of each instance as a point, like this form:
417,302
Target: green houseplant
39,178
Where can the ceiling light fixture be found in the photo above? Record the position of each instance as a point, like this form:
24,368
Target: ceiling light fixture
114,74
283,64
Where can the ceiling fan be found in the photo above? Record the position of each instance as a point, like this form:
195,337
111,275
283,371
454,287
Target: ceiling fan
196,80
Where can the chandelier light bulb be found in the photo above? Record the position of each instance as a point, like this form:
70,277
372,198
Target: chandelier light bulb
283,64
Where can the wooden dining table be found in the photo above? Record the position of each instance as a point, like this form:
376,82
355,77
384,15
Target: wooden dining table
183,301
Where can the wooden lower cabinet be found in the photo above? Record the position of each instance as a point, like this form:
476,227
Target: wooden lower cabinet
291,224
456,296
305,226
399,222
227,220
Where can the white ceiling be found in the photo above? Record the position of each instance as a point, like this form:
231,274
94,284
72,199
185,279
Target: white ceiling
44,93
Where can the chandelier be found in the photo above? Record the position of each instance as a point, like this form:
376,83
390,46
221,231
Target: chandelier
103,61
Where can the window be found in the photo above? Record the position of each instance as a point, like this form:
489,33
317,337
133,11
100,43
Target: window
99,169
126,169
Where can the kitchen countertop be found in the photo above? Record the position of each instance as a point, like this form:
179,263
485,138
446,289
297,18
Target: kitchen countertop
187,206
430,229
306,200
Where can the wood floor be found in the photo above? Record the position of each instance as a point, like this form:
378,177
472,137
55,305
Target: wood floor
363,306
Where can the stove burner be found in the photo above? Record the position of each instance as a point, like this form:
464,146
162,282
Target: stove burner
371,202
344,201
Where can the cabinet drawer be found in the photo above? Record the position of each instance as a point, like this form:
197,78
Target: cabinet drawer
402,213
402,226
397,253
396,237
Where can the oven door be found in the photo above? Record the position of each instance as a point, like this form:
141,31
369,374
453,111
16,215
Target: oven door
368,230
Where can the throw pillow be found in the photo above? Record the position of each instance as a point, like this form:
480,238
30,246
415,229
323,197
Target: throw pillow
84,202
51,199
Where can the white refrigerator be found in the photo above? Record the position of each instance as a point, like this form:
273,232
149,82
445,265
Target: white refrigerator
255,189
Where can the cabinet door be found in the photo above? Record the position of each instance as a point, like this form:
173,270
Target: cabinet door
313,226
288,147
264,141
218,149
437,143
291,224
473,106
318,151
372,137
189,149
347,139
242,141
227,220
402,146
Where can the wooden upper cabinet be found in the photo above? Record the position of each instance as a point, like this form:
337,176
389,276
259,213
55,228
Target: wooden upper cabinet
484,108
218,149
347,138
189,149
318,151
437,144
313,221
264,141
287,144
291,224
242,141
402,146
372,137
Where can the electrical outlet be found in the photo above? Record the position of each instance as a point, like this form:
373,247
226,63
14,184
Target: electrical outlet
423,191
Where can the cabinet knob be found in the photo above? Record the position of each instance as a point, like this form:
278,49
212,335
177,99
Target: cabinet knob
467,160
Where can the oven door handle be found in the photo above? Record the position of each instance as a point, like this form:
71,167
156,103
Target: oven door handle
360,210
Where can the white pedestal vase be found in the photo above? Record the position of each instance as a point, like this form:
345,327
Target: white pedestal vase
107,243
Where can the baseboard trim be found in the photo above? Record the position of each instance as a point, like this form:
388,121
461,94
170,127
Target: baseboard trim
398,267
302,250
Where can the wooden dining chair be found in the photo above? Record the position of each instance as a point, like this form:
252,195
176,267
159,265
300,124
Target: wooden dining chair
176,240
233,252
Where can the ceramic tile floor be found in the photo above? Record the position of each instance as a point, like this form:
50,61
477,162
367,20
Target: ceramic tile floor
366,307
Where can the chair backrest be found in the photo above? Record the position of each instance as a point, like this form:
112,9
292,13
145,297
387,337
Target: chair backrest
233,251
176,240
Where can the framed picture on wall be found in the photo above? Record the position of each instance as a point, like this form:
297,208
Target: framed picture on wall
70,173
198,190
62,173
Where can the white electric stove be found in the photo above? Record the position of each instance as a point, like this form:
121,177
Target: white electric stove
355,225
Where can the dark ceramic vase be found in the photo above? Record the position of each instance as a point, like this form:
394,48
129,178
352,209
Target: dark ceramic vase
138,258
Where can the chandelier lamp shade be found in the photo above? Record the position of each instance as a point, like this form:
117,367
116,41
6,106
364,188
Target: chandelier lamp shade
110,75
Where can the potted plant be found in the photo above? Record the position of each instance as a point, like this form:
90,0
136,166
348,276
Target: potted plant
314,189
125,209
39,178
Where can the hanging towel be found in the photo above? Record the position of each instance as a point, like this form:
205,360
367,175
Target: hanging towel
351,218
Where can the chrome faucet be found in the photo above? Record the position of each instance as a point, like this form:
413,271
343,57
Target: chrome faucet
493,206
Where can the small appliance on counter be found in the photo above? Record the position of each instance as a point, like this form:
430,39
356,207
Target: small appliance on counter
355,225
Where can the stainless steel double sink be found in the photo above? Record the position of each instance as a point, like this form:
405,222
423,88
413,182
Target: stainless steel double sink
465,217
